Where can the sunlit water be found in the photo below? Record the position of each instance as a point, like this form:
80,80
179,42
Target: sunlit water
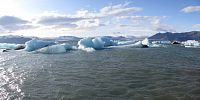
110,74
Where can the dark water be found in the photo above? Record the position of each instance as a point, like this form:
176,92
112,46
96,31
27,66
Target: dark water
110,74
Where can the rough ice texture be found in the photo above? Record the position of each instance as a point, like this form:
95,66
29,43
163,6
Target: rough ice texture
98,43
35,44
89,44
108,41
125,42
191,43
55,49
145,42
8,46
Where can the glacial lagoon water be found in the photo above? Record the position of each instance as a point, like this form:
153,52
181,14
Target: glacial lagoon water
110,74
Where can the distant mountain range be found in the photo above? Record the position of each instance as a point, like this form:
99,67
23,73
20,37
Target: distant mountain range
14,39
184,36
193,35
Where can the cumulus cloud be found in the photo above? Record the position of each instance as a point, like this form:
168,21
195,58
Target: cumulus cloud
191,9
12,23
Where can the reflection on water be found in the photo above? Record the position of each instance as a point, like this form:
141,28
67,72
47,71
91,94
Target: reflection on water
111,74
10,81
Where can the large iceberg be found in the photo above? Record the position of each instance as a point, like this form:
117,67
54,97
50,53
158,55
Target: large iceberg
55,49
89,44
35,44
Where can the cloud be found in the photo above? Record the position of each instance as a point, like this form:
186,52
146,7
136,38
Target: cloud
111,10
12,23
151,22
117,10
196,26
152,19
191,9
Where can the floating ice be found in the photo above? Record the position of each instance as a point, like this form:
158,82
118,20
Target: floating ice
108,41
125,42
191,44
161,42
89,44
55,49
141,44
145,42
85,43
35,44
98,43
7,46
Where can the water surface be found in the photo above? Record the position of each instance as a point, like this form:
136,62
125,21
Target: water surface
110,74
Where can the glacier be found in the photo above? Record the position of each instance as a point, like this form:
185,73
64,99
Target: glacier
35,44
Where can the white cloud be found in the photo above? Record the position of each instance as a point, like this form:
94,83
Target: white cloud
153,23
196,26
118,10
191,9
112,10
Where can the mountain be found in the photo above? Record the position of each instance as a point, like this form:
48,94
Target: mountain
184,36
14,39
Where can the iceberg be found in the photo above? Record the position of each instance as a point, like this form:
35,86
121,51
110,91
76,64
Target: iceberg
108,41
191,44
52,49
8,46
98,43
55,49
85,43
35,44
89,44
125,42
145,42
142,44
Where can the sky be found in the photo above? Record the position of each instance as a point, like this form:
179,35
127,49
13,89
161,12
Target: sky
85,18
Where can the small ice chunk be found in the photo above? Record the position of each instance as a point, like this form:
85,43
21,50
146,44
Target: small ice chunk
145,42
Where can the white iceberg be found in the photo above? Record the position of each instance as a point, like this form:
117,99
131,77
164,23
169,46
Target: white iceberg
35,44
125,42
145,42
191,44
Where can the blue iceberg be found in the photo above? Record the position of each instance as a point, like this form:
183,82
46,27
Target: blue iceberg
35,44
8,46
55,49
